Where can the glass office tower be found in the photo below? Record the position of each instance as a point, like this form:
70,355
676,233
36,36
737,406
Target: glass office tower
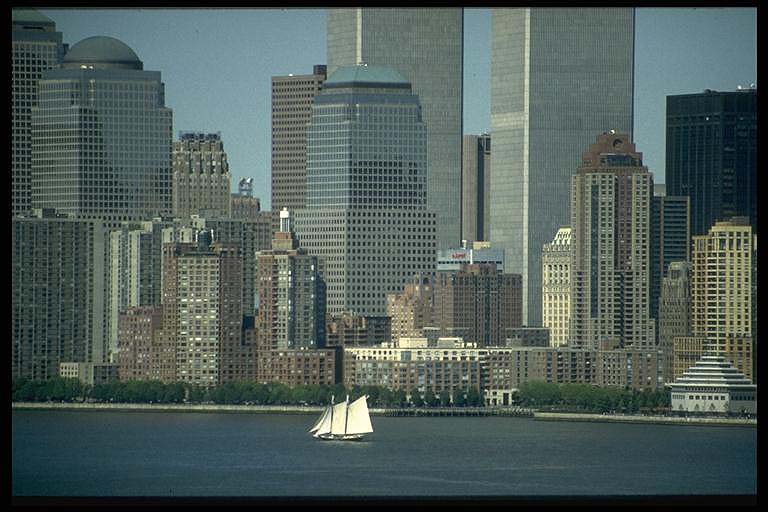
426,46
36,46
366,215
712,155
101,136
559,78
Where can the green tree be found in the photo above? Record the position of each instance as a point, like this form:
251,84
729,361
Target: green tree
537,393
430,399
474,398
445,398
399,398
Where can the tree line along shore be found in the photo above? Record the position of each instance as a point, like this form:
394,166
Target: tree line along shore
538,395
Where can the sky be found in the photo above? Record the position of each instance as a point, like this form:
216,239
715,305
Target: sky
217,66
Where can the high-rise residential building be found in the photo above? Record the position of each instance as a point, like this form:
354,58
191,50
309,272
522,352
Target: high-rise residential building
348,330
145,351
556,287
477,303
366,217
410,310
292,97
674,313
252,236
101,136
721,291
291,294
426,46
712,155
299,367
58,293
670,241
201,178
134,268
610,221
35,47
202,308
559,77
475,186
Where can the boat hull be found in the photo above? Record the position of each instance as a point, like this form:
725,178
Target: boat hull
341,437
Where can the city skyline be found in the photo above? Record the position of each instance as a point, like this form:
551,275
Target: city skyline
711,48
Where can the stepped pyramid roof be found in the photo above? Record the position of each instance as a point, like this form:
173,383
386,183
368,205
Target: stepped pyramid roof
713,371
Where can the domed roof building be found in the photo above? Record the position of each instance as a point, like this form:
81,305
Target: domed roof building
364,75
102,52
116,136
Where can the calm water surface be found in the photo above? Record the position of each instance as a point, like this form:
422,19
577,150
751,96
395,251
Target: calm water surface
61,453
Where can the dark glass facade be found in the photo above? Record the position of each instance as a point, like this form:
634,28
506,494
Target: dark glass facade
711,155
670,241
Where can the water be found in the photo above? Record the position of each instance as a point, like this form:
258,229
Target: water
62,453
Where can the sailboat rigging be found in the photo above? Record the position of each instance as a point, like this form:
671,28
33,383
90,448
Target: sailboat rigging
344,421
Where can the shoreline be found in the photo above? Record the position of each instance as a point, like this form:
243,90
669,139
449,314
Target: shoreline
408,412
639,419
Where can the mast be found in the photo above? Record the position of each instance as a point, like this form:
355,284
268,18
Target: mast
346,415
333,397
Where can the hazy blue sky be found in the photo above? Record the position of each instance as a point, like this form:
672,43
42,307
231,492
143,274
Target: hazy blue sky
217,64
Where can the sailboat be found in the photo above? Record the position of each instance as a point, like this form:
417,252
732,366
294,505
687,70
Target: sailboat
344,421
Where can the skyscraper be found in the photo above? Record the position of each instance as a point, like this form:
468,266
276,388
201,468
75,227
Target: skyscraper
477,303
366,217
712,155
36,47
292,97
101,136
201,178
475,186
559,77
252,236
556,287
291,294
202,308
610,210
670,241
426,46
721,291
674,313
57,293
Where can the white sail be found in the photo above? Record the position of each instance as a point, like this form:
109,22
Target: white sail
324,426
339,423
326,412
359,420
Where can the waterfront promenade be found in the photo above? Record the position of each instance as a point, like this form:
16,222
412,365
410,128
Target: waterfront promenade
405,412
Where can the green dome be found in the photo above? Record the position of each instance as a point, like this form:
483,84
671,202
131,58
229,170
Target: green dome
364,74
29,16
102,52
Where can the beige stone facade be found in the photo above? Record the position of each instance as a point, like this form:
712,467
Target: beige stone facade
556,287
722,291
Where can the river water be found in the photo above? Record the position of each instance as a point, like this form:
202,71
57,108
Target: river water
64,453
